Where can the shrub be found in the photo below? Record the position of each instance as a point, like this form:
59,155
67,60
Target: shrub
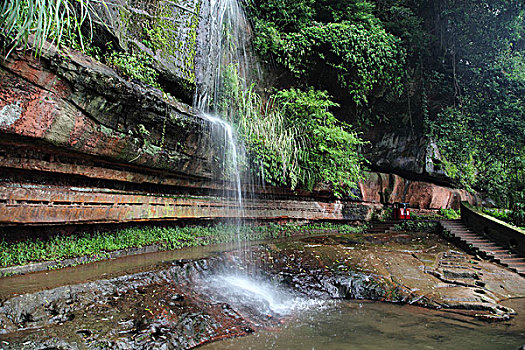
450,214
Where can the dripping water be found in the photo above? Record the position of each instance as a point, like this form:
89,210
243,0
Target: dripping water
228,35
226,43
229,162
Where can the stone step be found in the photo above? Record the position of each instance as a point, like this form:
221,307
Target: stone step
514,261
484,243
516,265
457,226
498,253
474,239
457,229
520,271
484,246
465,232
492,252
470,233
471,239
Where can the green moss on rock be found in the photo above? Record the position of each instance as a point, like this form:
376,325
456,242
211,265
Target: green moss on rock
166,31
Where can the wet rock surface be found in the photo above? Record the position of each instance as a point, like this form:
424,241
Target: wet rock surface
175,306
78,104
414,268
150,310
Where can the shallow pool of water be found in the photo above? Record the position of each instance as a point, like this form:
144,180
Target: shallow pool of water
375,325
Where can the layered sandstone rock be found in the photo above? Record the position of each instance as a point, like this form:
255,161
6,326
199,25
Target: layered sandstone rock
73,102
389,188
80,144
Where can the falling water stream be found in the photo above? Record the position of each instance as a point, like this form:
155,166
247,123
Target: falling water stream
261,295
226,44
222,131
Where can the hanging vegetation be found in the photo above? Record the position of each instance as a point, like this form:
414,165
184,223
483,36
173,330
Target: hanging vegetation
30,23
451,71
292,137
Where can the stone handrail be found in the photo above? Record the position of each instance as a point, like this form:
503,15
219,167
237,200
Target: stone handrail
498,231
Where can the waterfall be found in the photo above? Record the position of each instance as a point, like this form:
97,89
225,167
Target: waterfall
222,133
225,42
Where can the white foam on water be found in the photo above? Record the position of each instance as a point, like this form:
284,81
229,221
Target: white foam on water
266,296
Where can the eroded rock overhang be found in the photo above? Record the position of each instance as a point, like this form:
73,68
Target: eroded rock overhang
79,144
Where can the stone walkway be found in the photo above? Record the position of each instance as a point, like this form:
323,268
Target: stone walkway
483,246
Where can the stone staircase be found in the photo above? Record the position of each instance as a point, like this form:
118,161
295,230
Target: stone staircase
483,246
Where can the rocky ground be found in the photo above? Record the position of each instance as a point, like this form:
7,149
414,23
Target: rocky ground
170,306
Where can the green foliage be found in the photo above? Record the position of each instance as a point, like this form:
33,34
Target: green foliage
500,214
84,44
477,79
44,20
387,214
483,139
514,216
64,247
416,226
136,65
450,214
60,22
322,40
292,137
331,149
518,211
59,248
365,60
272,144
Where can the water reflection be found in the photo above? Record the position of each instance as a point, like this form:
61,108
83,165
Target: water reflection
373,325
33,282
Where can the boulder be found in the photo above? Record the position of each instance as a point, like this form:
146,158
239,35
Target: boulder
404,153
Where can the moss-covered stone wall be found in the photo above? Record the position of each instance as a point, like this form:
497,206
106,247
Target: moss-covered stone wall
165,30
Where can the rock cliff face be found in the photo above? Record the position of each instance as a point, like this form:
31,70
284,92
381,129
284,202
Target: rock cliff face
389,188
411,155
163,29
81,144
78,104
